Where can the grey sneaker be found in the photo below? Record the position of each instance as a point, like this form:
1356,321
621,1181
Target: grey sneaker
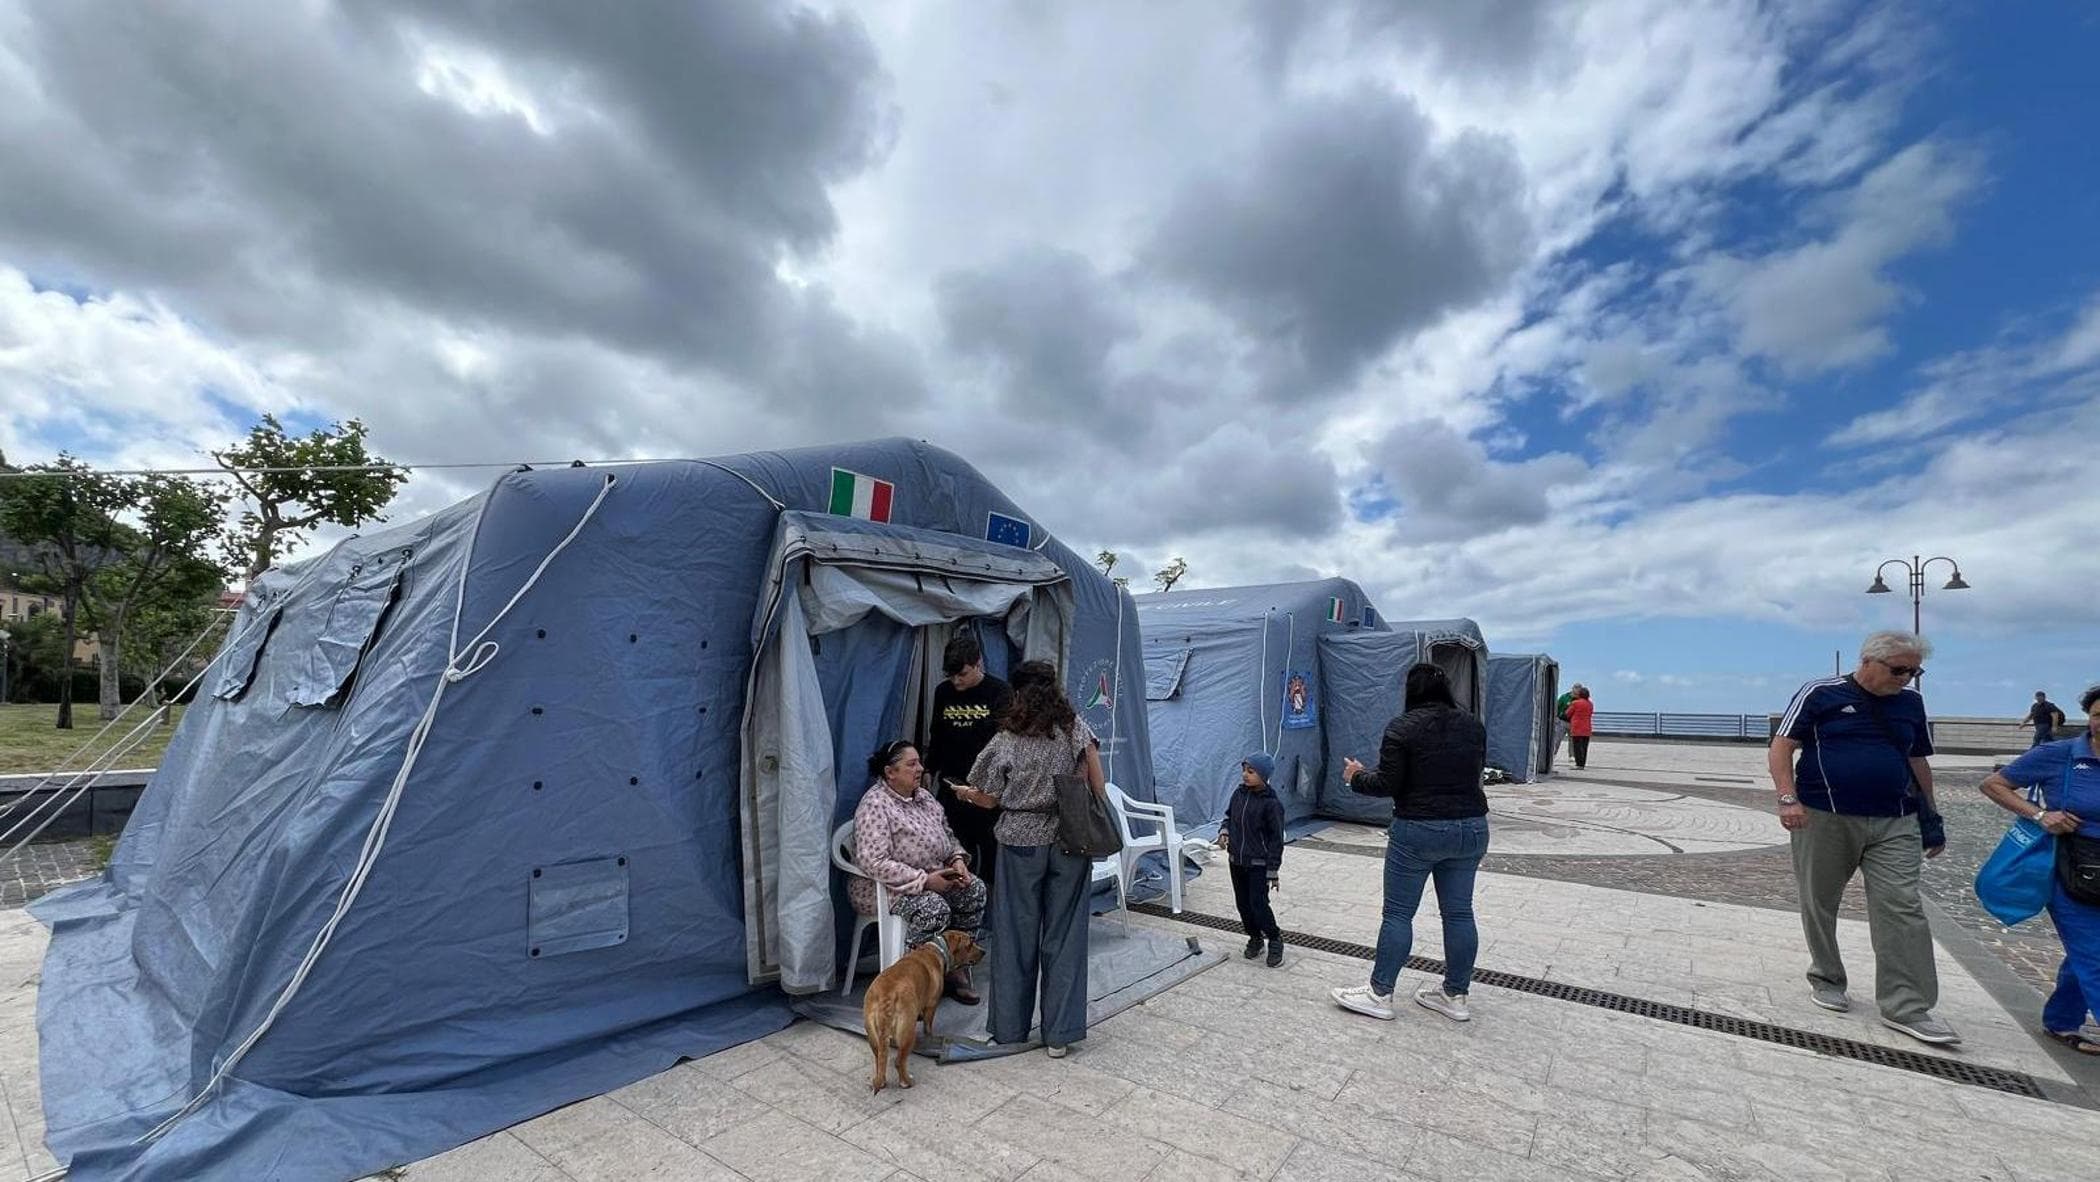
1830,997
1057,1050
1360,999
1925,1028
1450,1005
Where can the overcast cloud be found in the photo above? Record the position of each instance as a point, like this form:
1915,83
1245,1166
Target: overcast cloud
1415,293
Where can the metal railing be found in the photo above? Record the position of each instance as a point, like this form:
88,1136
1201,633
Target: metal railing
1684,726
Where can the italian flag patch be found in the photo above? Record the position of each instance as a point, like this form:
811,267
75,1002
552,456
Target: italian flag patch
1334,609
855,495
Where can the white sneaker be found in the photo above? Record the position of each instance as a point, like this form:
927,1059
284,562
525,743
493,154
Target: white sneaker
1057,1050
1361,999
1450,1005
1925,1028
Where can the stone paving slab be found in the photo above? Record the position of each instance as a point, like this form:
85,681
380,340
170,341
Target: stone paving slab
1734,774
41,867
1741,961
1247,1071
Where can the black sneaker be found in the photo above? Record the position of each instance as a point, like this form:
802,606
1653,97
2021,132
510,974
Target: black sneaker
1275,951
1253,947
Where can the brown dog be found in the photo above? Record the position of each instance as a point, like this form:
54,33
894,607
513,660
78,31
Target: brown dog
906,994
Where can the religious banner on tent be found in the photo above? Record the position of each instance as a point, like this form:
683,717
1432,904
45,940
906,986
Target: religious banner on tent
1299,713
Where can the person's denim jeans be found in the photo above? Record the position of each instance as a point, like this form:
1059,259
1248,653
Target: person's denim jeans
1415,852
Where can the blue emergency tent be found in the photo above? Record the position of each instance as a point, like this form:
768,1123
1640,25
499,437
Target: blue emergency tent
1233,670
1522,729
1362,676
524,801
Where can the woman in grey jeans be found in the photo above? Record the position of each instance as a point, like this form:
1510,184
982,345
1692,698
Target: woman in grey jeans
1039,900
1429,763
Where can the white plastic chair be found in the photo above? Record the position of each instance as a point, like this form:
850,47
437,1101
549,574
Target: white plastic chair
890,930
1166,839
1110,869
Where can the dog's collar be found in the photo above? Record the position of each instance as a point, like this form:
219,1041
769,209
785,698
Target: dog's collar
939,944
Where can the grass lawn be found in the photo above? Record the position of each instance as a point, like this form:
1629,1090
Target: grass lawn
30,743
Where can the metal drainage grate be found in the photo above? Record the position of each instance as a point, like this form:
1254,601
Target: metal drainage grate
1997,1079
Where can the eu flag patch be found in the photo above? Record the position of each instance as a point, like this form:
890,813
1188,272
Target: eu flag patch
1007,531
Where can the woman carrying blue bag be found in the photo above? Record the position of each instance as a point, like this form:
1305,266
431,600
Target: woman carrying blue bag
2067,773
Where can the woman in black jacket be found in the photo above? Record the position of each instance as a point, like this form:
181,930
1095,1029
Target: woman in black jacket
1429,763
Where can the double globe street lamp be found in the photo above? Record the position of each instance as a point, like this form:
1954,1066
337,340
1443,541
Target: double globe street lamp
1915,568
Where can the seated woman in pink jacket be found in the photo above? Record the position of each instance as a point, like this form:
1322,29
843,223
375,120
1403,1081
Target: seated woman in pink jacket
901,838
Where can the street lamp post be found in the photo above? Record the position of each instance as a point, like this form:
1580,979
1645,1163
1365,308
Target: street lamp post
7,644
1915,568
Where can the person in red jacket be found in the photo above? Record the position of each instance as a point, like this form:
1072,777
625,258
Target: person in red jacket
1580,711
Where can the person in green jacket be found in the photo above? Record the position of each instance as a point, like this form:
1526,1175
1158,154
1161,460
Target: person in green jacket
1560,711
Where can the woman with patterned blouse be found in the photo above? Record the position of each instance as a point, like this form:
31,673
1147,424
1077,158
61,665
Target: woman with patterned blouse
902,840
1039,924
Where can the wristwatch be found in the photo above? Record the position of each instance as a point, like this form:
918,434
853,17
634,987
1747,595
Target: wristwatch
1788,799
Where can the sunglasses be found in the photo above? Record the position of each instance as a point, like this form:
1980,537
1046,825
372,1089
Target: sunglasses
1900,670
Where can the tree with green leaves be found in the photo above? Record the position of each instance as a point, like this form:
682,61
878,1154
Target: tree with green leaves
293,483
159,628
1107,560
65,512
1171,574
163,564
36,656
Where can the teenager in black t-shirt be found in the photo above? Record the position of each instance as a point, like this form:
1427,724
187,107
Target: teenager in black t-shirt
966,710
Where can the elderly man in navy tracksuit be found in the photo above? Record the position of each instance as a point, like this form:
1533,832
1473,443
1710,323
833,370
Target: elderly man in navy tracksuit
1252,834
1855,795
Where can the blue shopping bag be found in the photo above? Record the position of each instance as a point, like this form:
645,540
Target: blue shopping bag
2016,882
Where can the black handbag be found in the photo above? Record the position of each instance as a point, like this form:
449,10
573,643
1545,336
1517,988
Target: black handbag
1084,828
2078,867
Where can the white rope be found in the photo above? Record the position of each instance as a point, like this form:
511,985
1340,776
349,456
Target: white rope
1290,637
776,502
1261,700
478,653
83,473
1115,679
107,760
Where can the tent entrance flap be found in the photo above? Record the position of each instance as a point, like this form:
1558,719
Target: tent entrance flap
876,596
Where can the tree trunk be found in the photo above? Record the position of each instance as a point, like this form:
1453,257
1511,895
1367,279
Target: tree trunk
65,664
265,541
108,657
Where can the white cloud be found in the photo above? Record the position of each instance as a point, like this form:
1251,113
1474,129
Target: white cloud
119,377
2080,346
1995,501
1822,304
1989,384
554,235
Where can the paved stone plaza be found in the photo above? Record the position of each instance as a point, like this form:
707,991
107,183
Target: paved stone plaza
1249,1072
43,867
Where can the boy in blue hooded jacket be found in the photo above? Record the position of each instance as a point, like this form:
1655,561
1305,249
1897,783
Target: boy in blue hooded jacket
1252,835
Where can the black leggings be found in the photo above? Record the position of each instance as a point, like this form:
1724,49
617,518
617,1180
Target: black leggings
1250,891
1580,745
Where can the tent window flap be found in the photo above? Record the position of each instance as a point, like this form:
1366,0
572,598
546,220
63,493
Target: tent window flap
1163,674
352,621
244,653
